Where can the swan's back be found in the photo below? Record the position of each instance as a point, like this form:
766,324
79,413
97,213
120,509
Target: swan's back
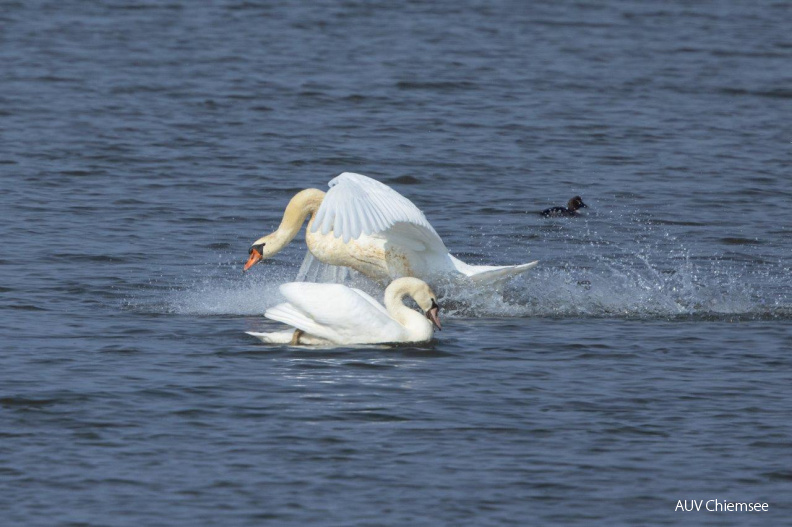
335,312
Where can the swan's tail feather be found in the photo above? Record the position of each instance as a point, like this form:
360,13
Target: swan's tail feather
285,337
276,337
491,274
487,276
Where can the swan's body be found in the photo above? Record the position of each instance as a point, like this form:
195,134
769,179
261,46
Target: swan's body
336,314
365,225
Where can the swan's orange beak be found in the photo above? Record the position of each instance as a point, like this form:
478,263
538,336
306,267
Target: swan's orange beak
255,257
433,315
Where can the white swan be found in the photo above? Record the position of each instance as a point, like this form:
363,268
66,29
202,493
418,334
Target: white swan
365,225
336,314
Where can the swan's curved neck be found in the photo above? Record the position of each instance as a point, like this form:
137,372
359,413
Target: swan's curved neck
413,321
301,205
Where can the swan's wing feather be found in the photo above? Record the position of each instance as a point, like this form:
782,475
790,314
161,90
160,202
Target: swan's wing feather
291,315
368,298
414,238
356,205
335,309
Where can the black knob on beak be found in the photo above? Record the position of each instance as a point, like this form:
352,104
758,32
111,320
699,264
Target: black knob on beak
434,315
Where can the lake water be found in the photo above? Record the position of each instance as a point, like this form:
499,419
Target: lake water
144,146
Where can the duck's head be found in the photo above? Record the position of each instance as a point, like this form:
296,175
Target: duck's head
576,203
262,248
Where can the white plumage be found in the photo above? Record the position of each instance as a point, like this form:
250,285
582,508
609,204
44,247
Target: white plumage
366,226
356,205
337,314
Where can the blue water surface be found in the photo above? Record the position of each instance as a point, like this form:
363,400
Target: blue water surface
144,145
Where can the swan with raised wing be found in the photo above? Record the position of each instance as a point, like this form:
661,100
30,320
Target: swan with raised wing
367,226
325,314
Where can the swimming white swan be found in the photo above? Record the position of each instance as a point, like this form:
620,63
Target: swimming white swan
365,225
336,314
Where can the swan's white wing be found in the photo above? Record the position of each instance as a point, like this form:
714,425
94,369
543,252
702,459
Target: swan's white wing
288,314
356,205
414,238
368,298
335,312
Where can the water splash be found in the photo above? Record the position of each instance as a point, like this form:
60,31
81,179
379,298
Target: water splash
634,270
617,290
228,295
611,290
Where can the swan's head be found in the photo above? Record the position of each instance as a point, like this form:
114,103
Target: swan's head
419,291
262,248
427,301
576,203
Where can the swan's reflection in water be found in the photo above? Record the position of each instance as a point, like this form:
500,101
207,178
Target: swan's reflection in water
353,383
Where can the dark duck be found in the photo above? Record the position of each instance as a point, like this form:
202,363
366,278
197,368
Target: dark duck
565,212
